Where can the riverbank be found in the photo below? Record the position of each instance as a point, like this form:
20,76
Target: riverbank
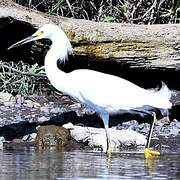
21,118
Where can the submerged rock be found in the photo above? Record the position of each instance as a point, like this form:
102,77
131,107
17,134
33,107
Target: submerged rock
52,135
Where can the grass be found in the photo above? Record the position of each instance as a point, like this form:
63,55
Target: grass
21,78
27,79
124,11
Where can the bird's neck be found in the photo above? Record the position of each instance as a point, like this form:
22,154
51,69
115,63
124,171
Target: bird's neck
57,77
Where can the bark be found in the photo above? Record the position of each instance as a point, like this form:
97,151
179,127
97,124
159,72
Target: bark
145,46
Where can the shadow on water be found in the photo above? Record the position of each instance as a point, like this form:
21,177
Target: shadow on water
30,163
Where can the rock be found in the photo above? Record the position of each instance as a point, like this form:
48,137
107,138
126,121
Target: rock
174,131
2,140
69,126
164,120
19,99
6,97
143,128
55,110
164,131
28,103
9,104
43,119
44,109
17,140
130,125
95,137
175,123
75,106
30,137
52,135
36,105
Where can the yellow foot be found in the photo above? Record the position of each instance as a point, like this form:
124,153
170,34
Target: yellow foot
109,152
150,153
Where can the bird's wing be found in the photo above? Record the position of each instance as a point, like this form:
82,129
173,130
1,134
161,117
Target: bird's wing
108,91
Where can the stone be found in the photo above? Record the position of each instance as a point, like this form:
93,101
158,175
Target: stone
19,99
36,105
17,140
44,109
2,140
143,128
43,119
55,110
52,136
130,125
69,126
28,103
75,106
29,137
9,104
95,137
6,97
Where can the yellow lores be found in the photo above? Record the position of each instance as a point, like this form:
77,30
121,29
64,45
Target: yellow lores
39,33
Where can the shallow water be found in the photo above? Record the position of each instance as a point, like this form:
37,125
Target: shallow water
31,164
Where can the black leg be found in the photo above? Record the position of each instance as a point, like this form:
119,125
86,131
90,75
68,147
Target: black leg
151,130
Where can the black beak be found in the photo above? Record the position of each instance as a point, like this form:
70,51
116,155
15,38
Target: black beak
24,41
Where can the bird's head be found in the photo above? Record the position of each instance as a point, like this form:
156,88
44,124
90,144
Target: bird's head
45,32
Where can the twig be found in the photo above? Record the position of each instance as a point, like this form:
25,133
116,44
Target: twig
154,4
21,72
152,12
69,5
135,8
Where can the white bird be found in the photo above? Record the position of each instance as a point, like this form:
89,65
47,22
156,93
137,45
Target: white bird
106,94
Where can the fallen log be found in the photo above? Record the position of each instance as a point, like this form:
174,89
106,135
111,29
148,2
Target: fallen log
142,46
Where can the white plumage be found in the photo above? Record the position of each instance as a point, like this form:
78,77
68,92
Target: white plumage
103,93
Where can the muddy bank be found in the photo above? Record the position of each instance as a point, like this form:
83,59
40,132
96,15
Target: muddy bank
19,123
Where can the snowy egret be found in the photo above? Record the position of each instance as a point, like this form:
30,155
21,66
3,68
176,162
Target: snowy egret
106,94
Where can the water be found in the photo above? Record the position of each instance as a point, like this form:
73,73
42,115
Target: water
28,163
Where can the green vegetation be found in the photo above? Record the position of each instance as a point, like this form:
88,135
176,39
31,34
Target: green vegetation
22,78
28,79
128,11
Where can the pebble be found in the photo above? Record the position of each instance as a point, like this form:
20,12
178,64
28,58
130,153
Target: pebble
36,105
174,131
9,104
29,137
6,97
144,128
2,140
44,109
43,119
28,103
75,106
17,140
55,110
19,99
132,125
69,126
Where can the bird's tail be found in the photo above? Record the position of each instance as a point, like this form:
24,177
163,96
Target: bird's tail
165,92
162,97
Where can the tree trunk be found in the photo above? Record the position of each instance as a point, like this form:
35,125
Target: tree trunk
145,46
